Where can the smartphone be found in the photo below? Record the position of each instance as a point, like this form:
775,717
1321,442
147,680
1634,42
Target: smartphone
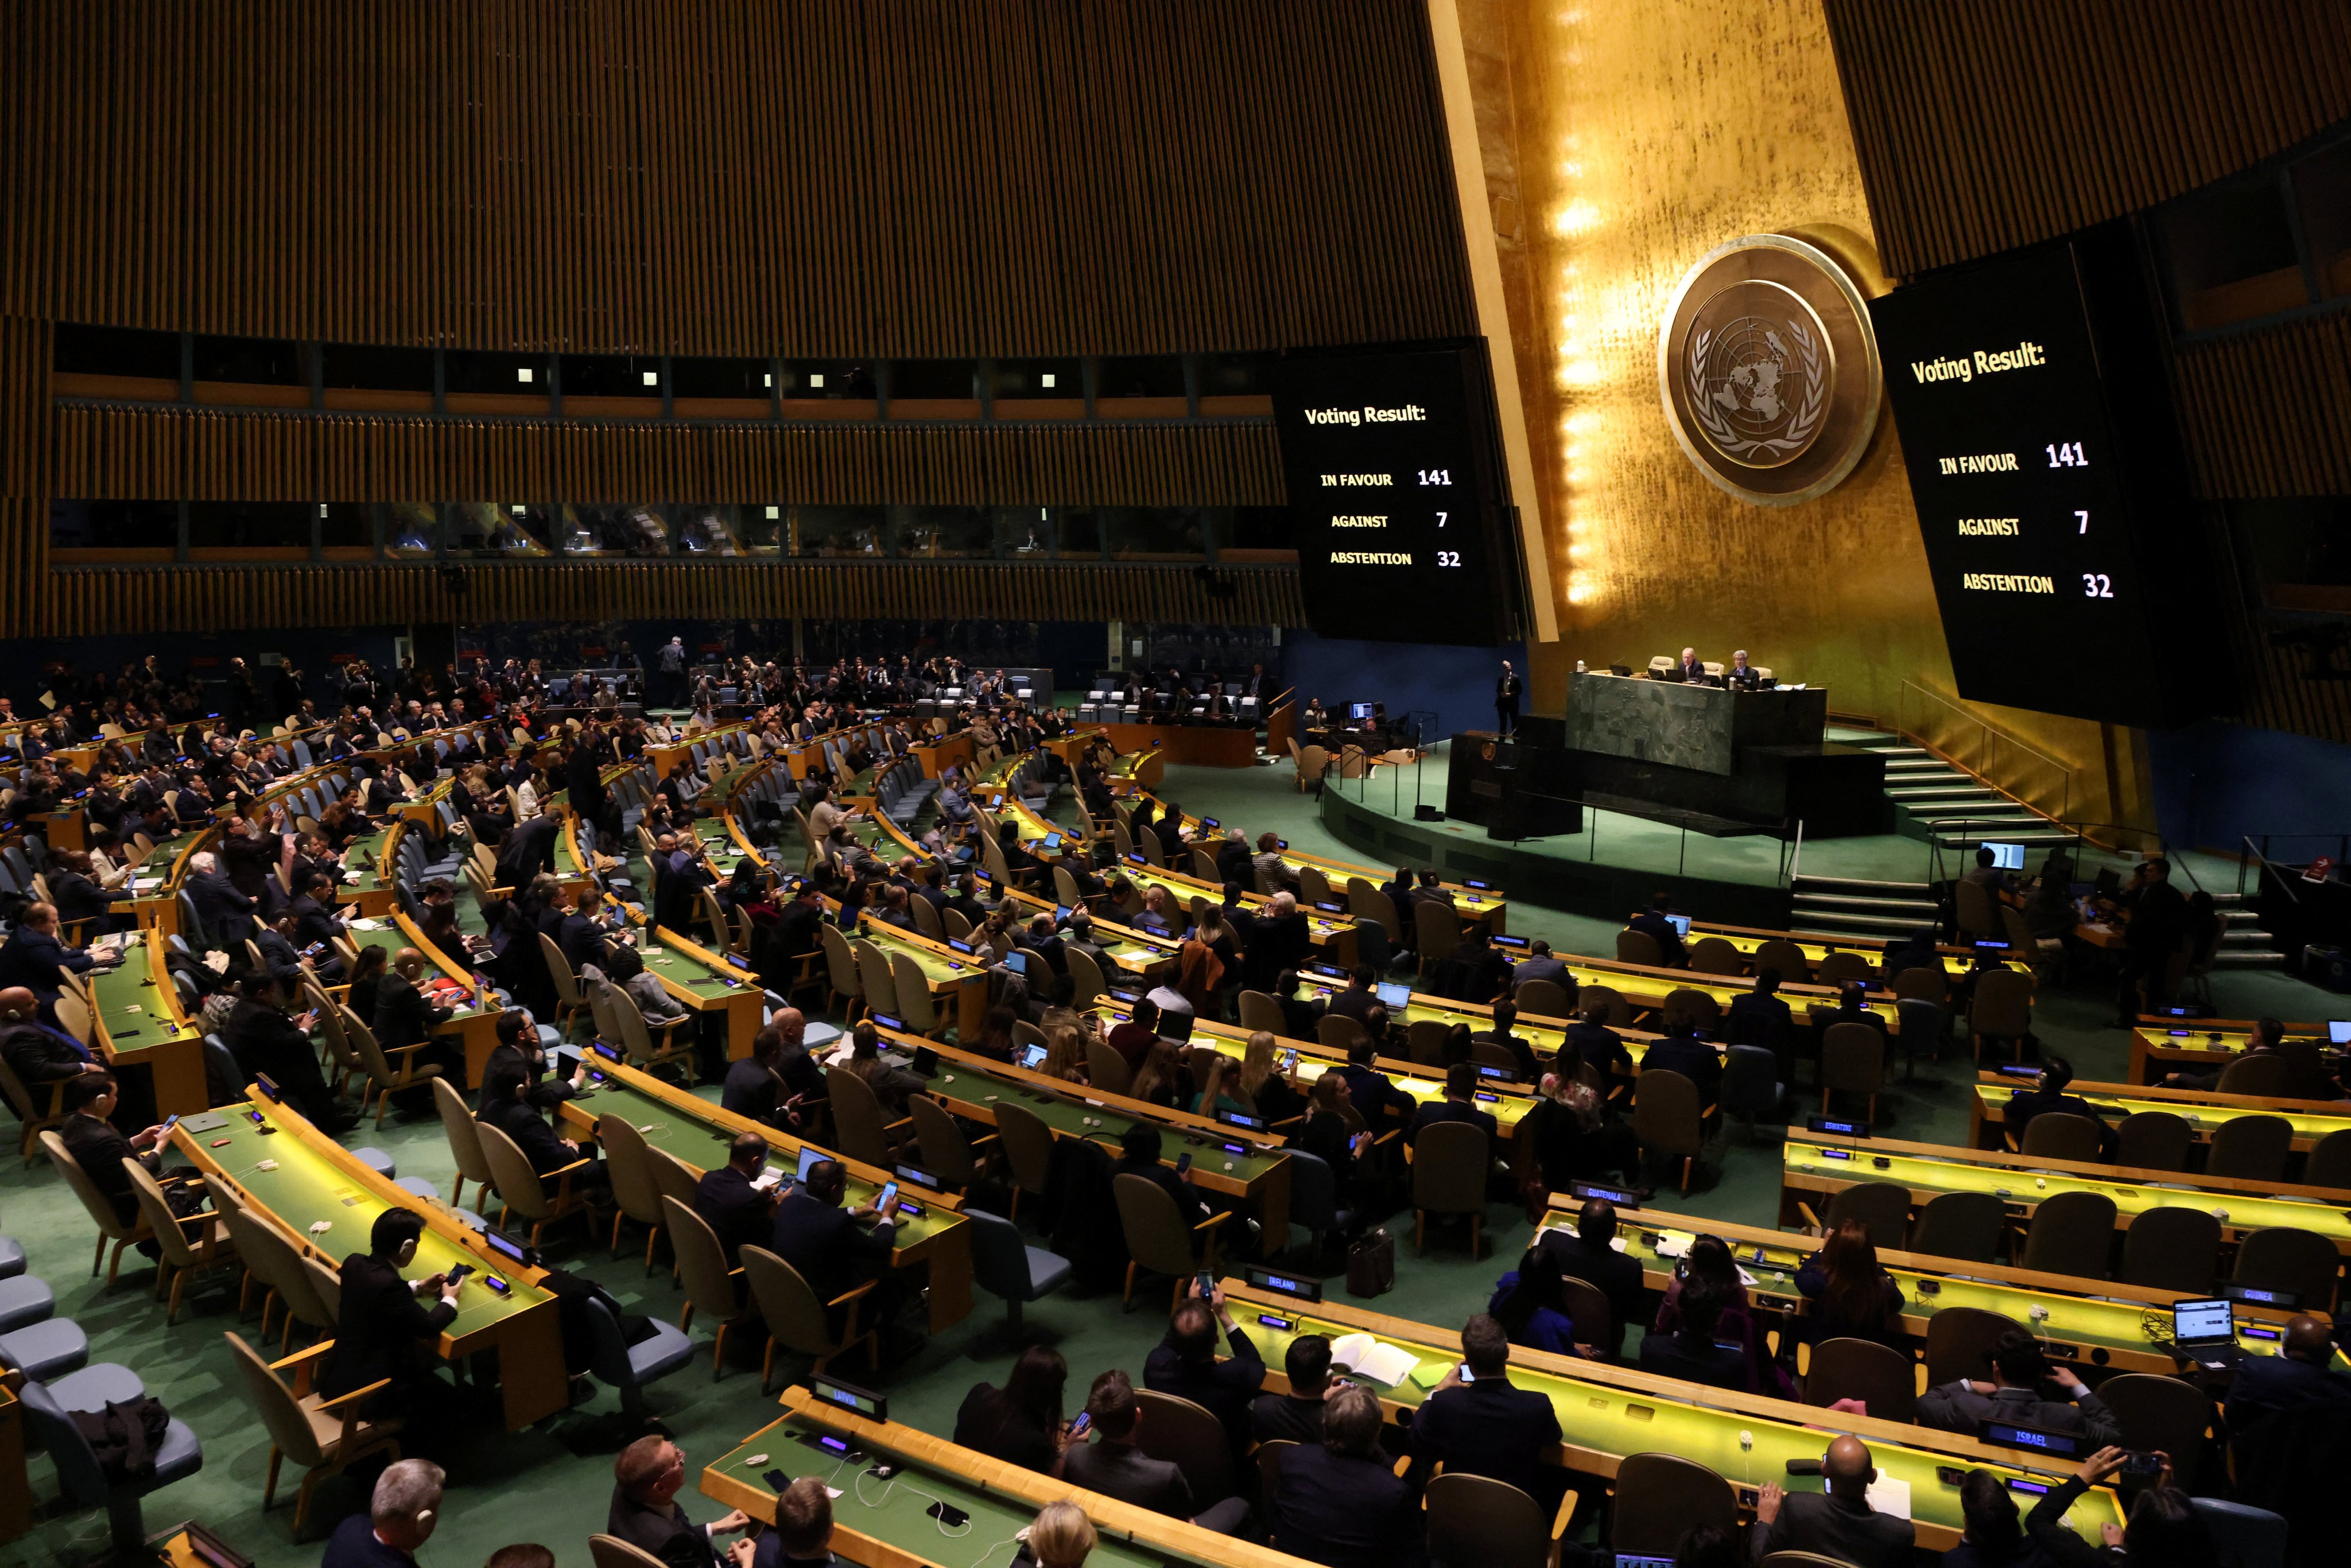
947,1514
1183,1164
776,1481
459,1273
169,1123
889,1196
1463,1372
2140,1463
1078,1427
1206,1282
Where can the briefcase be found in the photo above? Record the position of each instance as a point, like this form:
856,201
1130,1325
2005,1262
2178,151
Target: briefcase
1371,1264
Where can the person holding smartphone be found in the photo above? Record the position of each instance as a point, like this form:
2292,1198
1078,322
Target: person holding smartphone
384,1320
833,1248
1186,1365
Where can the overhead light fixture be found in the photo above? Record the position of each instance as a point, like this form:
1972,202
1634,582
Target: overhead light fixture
768,380
652,378
522,373
775,513
816,381
1047,378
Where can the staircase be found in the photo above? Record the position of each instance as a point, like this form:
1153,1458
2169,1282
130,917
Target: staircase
1851,906
1935,802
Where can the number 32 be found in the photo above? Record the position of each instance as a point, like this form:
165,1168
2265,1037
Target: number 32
2097,585
1448,558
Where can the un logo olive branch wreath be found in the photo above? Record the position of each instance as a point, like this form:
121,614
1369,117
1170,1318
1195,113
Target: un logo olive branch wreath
1719,428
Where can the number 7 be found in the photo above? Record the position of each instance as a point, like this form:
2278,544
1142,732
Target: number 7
1441,517
2086,521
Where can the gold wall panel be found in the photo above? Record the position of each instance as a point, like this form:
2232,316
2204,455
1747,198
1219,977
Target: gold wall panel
1646,133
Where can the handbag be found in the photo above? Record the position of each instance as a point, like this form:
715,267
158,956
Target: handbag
1371,1263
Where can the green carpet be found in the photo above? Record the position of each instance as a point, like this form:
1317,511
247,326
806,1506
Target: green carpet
552,1483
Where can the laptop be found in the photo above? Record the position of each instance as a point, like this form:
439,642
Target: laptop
2339,1031
1680,922
1394,993
2006,857
2205,1332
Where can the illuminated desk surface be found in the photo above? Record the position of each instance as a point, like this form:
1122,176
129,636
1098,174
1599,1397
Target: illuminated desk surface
696,1132
138,1023
2203,1112
888,1524
1609,1413
1812,1164
317,1180
2161,1045
2087,1323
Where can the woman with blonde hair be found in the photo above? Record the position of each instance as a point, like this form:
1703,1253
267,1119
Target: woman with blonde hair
1265,1083
1163,1079
1065,1051
1060,1537
1221,1090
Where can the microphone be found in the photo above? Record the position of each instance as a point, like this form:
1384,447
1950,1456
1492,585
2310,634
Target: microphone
1803,1467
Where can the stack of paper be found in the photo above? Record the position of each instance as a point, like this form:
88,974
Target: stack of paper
1364,1356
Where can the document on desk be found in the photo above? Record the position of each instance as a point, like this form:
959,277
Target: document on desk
1368,1358
1887,1495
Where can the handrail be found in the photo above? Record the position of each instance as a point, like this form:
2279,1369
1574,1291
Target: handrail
2284,883
1991,734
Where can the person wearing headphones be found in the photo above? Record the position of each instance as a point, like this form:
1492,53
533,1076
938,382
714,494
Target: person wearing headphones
383,1320
400,1519
1836,1522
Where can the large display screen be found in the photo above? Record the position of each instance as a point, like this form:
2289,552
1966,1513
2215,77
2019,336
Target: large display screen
1395,496
2037,531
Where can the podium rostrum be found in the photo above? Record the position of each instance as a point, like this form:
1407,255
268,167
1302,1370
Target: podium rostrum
1703,728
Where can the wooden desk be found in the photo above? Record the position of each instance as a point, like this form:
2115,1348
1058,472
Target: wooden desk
2161,1045
137,1023
317,1180
1193,745
2205,1113
1608,1413
698,1131
894,1530
2087,1324
1814,1166
474,1026
958,984
1247,1166
705,983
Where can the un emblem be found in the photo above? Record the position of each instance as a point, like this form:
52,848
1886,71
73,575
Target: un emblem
1769,371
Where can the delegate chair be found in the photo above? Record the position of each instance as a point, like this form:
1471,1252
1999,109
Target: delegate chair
947,1153
1449,1163
1660,1498
2259,1077
627,1368
1005,1266
1639,948
1883,1208
2072,1233
1106,1070
524,1191
1959,1341
1028,1145
2329,1163
1884,1380
1157,1239
636,1186
797,1318
1715,956
1542,998
36,1114
2251,1148
457,1125
190,1245
1667,1119
2161,1413
1178,1432
1968,1226
2002,1010
322,1436
1853,1059
2172,1248
2154,1141
1779,952
2062,1135
711,1286
857,1118
1836,968
102,1212
1476,1519
2302,1263
83,1480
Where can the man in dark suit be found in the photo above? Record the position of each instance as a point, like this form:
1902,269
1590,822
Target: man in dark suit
224,911
580,934
1335,1499
1139,1155
1690,1353
729,1199
35,958
519,1054
1506,699
1837,1522
400,1519
1358,1000
1853,1007
2049,1094
1652,921
1743,676
263,1040
1459,1104
1483,1426
1184,1364
1759,1016
831,1246
36,1052
100,1149
1589,1255
1598,1044
1296,1415
1542,963
404,1015
1234,862
505,1105
1681,1051
2268,1385
1690,668
382,1321
1277,940
1368,1089
528,850
645,1511
1114,1466
313,912
2019,1368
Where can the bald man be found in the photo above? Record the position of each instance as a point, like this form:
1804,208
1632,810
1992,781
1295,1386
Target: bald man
1836,1522
36,1052
2268,1385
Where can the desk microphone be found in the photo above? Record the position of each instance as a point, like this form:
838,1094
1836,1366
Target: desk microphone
1803,1467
